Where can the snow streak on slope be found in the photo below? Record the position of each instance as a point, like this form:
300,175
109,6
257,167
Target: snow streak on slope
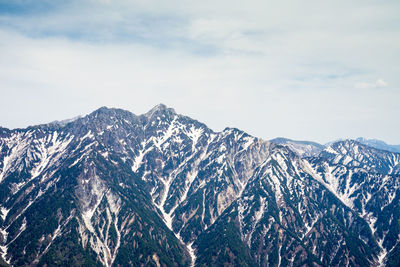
176,169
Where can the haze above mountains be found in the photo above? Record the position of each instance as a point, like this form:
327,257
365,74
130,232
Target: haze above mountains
161,189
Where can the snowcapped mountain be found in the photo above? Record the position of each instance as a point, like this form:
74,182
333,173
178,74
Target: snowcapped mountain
302,148
113,188
379,144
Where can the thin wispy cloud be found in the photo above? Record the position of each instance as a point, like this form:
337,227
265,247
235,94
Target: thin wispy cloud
365,85
302,62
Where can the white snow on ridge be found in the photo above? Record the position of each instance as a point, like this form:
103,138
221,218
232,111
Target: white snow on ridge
5,167
170,131
249,141
139,158
18,145
100,242
192,254
309,227
329,149
194,134
257,217
347,159
87,135
4,213
332,185
49,155
4,254
21,229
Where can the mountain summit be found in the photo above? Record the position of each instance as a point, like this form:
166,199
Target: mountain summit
160,189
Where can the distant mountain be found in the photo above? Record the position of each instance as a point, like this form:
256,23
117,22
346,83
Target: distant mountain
379,144
302,148
65,122
161,189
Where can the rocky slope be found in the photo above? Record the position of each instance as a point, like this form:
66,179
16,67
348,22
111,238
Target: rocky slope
113,188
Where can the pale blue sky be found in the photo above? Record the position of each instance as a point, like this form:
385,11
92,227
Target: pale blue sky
313,70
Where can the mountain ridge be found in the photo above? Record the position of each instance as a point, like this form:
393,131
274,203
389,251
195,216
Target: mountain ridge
156,188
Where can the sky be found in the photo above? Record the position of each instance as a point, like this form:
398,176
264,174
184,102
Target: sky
306,70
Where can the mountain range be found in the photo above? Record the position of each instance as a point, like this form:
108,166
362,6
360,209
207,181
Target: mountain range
161,189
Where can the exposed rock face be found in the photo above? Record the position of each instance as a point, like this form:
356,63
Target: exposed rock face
113,188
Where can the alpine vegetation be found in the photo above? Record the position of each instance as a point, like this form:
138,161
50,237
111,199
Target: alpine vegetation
161,189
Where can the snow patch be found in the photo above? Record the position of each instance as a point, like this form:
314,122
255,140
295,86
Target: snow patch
333,186
4,213
87,135
248,142
194,134
192,254
139,159
257,217
329,149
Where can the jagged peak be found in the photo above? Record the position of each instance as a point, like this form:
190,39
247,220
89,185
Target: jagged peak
106,111
346,143
353,146
160,108
235,132
232,129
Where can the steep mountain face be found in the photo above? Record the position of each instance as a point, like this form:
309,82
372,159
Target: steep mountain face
161,189
287,216
367,180
66,200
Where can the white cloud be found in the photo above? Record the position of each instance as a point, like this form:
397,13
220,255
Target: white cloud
272,68
381,83
364,85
